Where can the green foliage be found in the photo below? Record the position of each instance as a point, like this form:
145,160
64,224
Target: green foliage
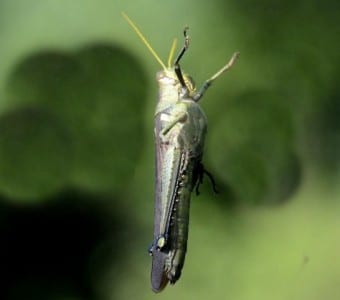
87,92
252,148
35,154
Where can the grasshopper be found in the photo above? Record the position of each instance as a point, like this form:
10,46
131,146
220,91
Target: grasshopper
180,129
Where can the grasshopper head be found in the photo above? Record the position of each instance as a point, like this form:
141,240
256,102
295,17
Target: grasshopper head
169,78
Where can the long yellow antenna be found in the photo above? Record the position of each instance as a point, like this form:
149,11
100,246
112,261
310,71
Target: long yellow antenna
144,40
171,53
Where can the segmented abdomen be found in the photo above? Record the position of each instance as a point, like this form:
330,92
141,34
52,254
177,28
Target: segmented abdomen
179,224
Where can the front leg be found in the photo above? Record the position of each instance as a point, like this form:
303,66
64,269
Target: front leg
180,116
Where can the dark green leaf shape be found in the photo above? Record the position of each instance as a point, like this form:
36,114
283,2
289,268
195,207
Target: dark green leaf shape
252,149
98,93
35,154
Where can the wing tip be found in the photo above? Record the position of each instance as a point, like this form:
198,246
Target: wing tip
159,279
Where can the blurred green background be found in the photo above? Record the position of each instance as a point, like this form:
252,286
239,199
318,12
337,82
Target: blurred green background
77,96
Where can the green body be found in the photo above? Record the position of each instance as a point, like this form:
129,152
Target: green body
180,127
